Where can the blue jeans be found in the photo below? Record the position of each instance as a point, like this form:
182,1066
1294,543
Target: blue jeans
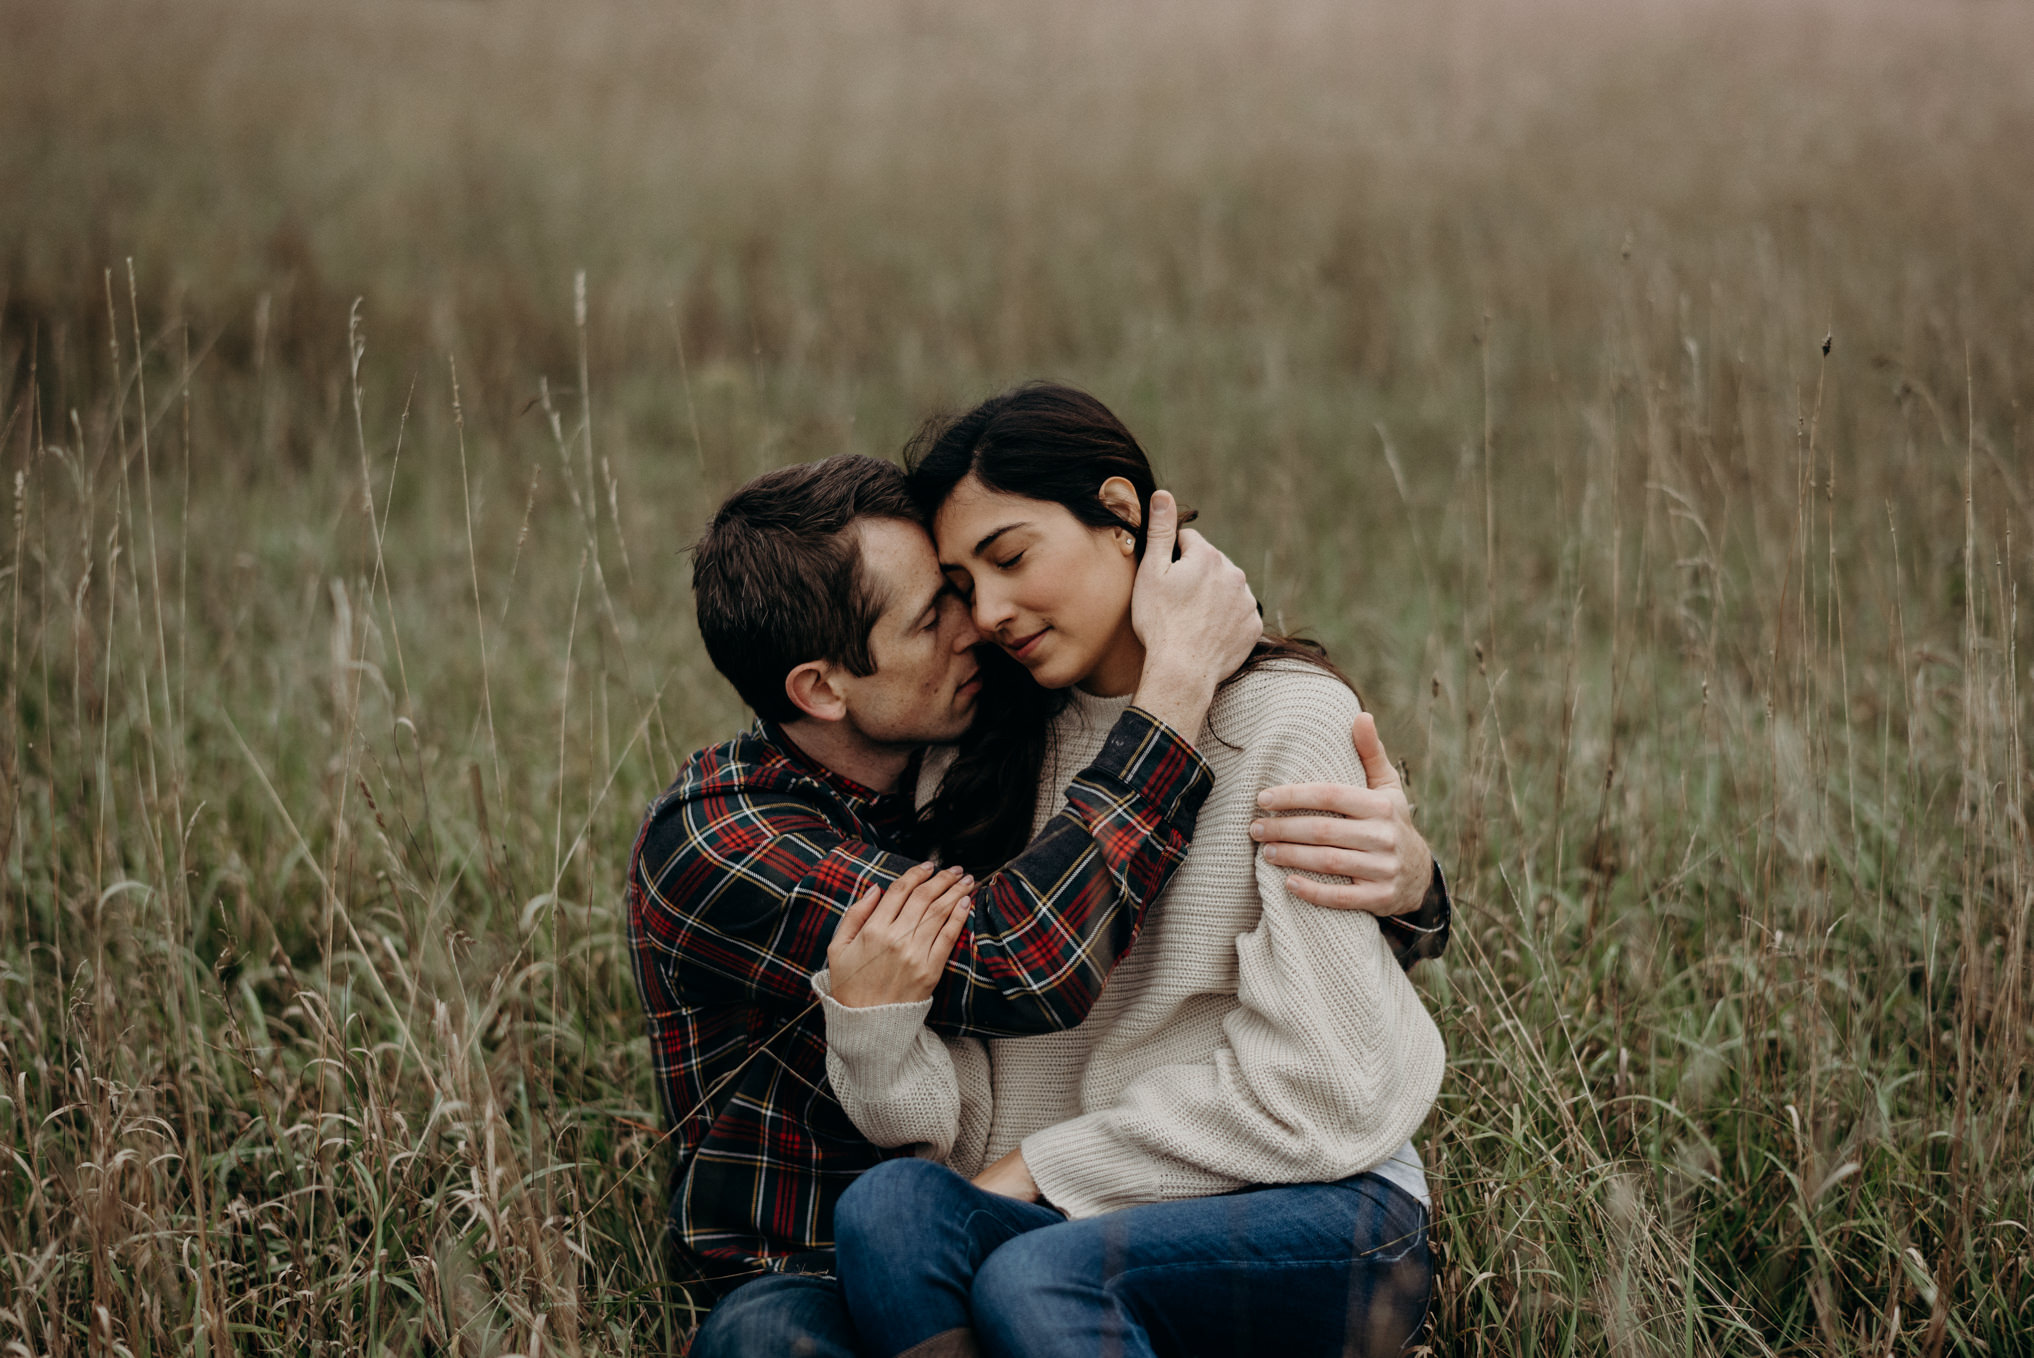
779,1315
1295,1270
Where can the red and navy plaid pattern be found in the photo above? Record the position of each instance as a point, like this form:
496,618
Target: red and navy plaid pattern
739,874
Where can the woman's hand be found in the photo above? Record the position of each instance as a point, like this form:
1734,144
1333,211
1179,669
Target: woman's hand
891,946
1367,836
1009,1176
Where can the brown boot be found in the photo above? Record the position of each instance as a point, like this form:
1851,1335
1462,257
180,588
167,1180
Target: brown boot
955,1343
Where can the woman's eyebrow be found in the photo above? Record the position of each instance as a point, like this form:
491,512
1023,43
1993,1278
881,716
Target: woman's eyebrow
990,537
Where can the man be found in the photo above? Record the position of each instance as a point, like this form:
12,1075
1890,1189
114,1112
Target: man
820,598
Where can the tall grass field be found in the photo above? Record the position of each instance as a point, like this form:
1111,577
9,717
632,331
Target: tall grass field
1636,396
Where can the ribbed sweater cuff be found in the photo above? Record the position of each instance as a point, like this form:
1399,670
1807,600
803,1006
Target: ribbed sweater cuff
1083,1168
870,1033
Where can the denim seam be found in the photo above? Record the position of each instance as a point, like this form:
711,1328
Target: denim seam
1144,1269
975,1214
1415,1239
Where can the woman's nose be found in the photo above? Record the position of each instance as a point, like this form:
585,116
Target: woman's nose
990,610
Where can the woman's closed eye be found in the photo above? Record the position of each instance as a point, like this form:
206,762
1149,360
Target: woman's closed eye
1008,563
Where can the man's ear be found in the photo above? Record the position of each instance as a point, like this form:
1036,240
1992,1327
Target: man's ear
815,690
1119,497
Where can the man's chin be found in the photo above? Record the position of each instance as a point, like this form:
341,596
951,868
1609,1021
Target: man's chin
961,717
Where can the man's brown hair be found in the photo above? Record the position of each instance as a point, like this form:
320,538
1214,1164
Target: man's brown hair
778,578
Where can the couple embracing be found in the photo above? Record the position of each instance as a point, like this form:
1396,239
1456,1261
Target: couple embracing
1031,978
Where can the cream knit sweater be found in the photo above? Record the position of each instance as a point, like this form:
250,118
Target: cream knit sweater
1247,1038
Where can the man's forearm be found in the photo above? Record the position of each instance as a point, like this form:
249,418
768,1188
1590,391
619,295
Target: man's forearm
1177,696
1049,927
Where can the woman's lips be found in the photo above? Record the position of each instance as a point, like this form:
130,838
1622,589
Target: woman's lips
1026,645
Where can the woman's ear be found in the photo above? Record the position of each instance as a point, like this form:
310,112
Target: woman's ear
1119,497
813,690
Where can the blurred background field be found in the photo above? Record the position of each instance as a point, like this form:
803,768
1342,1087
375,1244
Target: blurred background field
1635,397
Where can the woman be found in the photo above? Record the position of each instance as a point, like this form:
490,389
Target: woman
1218,1159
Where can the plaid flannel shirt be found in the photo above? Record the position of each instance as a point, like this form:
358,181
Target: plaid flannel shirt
739,875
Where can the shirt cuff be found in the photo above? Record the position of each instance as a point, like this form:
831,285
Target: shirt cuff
1423,933
1149,758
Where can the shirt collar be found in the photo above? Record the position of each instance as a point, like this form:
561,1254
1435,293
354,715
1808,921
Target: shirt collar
855,792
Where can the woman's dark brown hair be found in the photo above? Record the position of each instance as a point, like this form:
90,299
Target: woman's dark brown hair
1044,442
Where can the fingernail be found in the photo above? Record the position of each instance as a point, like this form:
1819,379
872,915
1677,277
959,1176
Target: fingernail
1263,800
968,881
1271,853
1257,829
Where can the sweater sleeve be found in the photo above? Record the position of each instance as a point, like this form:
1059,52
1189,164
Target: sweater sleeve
1327,1064
902,1084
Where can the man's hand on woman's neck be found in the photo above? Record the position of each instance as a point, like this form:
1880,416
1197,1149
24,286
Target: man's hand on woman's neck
1195,616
